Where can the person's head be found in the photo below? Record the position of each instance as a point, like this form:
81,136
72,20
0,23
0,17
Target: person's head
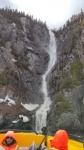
60,139
9,138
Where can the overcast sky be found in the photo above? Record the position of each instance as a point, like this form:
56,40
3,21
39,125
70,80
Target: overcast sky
54,12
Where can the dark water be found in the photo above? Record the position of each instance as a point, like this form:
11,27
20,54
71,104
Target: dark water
77,136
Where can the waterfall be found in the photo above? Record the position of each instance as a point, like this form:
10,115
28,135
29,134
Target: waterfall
41,114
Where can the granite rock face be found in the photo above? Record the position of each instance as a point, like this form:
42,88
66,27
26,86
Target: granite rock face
66,81
24,58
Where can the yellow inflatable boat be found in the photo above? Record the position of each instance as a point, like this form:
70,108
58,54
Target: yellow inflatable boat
75,145
25,139
72,144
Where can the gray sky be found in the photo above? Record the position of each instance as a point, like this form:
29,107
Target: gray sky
54,12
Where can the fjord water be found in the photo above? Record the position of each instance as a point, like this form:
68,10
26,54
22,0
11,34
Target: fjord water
41,113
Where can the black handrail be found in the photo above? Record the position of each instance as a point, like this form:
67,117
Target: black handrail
44,139
39,148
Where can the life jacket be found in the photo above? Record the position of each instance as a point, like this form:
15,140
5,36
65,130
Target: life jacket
60,140
17,148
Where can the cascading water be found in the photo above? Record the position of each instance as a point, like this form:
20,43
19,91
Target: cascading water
41,114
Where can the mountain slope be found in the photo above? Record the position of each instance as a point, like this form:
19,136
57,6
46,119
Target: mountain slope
66,82
23,60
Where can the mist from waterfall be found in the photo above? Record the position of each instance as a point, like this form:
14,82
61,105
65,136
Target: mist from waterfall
41,114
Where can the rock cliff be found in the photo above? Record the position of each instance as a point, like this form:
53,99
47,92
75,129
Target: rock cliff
66,81
23,60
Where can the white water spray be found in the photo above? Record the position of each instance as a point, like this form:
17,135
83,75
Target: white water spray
41,114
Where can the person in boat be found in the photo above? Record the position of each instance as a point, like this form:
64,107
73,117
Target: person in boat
9,142
60,140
